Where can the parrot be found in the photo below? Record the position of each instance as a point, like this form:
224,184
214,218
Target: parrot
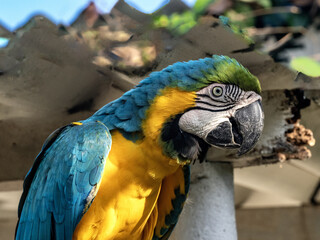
124,172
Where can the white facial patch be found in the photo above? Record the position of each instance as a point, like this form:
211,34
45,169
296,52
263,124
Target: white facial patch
200,122
214,107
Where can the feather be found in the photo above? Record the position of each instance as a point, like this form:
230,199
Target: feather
181,144
58,186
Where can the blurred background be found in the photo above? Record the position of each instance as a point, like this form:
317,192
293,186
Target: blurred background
60,61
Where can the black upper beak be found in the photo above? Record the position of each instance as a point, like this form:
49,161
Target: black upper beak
249,121
241,131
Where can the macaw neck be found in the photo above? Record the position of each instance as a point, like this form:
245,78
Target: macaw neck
171,102
145,155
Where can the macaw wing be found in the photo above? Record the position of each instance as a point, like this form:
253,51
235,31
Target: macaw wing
171,199
63,181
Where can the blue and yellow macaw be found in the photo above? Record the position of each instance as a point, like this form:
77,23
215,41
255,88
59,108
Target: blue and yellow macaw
123,173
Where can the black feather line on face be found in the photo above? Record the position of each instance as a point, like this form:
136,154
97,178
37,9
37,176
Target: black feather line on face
178,143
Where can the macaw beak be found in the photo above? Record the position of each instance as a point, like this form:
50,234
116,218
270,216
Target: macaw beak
241,131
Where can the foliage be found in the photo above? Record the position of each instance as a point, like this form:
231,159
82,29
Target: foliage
180,23
200,6
176,23
263,3
255,21
306,65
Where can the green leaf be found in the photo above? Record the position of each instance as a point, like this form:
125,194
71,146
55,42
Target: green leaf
306,65
263,3
161,21
201,5
178,24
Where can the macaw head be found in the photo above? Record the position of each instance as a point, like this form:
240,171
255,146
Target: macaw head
190,106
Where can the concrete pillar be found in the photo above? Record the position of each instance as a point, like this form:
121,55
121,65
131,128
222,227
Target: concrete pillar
209,212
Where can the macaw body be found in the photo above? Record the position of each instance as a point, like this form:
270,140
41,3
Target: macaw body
124,172
136,189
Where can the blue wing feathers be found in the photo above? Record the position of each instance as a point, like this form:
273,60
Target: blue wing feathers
35,230
94,175
125,111
140,99
70,165
142,112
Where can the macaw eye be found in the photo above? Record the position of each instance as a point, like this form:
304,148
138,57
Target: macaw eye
217,91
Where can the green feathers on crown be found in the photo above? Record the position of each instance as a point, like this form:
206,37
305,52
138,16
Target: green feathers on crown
228,71
194,75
